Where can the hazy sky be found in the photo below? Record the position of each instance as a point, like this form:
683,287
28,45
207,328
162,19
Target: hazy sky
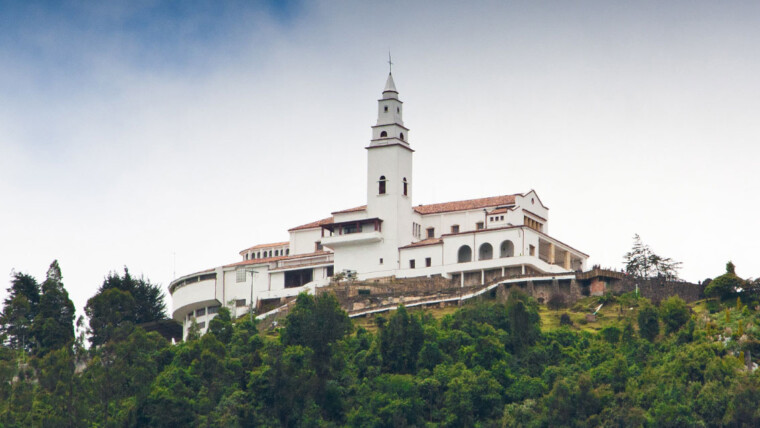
146,132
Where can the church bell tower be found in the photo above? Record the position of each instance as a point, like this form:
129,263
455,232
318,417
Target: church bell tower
389,177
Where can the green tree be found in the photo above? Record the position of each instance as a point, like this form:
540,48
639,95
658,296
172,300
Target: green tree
221,325
642,262
316,322
725,285
674,313
53,327
649,323
524,321
111,315
19,309
401,341
121,302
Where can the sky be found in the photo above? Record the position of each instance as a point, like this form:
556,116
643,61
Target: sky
166,136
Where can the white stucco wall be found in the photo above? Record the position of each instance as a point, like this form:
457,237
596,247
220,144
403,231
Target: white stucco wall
302,241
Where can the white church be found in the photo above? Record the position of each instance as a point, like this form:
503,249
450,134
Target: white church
471,242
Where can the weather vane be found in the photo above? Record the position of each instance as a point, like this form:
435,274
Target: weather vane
390,63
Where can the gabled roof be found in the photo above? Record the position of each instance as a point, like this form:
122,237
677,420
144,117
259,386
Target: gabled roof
314,224
351,210
256,247
424,242
470,204
274,259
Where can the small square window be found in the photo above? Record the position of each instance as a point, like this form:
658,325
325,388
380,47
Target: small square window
455,228
411,264
202,324
240,275
428,262
431,232
381,260
479,225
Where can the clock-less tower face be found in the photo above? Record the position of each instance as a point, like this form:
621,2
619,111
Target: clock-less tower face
389,176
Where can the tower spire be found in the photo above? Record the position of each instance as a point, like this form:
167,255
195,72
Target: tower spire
390,63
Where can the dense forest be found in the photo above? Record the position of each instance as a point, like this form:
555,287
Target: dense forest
486,363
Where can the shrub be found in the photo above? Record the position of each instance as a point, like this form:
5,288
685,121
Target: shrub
674,313
610,334
556,301
724,285
712,306
649,324
564,319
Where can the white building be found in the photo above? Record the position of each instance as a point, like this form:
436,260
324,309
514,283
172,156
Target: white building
471,242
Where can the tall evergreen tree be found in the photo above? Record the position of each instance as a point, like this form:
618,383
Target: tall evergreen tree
53,326
401,341
19,309
120,303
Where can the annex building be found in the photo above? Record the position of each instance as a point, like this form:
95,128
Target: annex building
469,242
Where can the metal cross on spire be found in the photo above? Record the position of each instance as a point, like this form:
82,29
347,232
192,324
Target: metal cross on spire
390,63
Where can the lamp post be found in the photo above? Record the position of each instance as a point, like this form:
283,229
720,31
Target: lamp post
250,305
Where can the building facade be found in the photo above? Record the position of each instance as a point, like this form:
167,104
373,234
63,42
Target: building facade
470,242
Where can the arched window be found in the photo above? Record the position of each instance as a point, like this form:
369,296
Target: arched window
465,254
381,186
507,249
401,136
485,252
383,134
406,187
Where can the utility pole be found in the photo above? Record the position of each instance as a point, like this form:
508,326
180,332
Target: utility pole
250,306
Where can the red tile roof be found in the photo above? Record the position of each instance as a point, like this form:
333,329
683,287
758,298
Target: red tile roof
470,204
429,241
274,259
351,210
256,247
318,223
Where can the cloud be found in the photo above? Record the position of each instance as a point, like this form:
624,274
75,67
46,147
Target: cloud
140,135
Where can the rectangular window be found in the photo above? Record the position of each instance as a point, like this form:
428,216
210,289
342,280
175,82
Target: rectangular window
411,264
347,230
318,246
430,232
240,275
213,310
200,312
330,271
532,250
479,225
455,228
239,303
428,262
381,260
202,324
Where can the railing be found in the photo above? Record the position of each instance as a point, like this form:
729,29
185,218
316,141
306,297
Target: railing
305,261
